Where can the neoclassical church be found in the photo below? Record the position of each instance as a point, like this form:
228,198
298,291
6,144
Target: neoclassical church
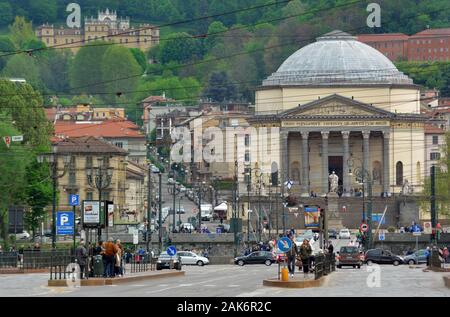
342,106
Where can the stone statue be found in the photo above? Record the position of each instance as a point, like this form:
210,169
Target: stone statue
406,189
334,182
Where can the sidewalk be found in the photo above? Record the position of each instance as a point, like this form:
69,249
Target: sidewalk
119,280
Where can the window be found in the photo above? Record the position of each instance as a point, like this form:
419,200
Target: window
434,156
435,139
88,161
73,161
72,178
119,144
247,156
247,175
105,196
247,140
89,196
399,174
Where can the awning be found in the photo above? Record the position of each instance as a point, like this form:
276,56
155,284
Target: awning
221,207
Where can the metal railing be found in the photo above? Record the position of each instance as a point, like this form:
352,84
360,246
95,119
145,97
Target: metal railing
33,259
324,264
142,263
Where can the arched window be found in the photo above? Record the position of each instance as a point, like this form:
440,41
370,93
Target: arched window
399,173
295,172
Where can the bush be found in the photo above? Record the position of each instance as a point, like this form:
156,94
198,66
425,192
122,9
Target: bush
391,229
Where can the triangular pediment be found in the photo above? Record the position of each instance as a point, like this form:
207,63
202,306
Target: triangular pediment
335,106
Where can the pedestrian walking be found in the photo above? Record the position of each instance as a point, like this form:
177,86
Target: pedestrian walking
445,254
428,255
305,255
81,255
291,255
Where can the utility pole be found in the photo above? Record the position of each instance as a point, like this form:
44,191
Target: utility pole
369,215
200,189
160,213
235,207
149,207
173,195
433,204
249,187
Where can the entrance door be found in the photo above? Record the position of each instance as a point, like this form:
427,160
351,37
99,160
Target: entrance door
336,164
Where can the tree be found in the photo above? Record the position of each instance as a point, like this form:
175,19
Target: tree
24,66
39,194
118,62
6,13
219,88
139,56
442,183
181,48
21,32
215,28
85,71
6,46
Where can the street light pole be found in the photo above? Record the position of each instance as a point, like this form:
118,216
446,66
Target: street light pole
160,213
173,195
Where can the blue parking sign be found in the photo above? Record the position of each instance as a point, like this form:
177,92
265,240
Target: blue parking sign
64,223
74,200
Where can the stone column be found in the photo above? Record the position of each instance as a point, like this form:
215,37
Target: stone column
346,182
386,178
325,171
366,158
283,172
305,164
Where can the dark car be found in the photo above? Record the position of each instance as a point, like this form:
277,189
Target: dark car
332,234
258,257
381,256
165,261
349,256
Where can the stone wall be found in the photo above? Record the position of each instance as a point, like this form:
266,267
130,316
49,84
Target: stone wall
398,243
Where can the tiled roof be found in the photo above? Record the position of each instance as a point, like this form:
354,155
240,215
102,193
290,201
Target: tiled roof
382,37
433,32
104,129
88,145
431,129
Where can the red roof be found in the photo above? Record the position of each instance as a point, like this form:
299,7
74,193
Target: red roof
104,129
382,37
431,129
433,32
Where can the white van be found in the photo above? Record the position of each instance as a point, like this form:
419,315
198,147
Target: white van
206,212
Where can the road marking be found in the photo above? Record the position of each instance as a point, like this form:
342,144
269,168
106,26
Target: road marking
163,285
209,285
233,286
183,285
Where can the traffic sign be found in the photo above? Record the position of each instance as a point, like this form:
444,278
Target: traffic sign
417,233
7,140
289,184
74,200
64,223
17,138
381,236
284,244
171,250
364,227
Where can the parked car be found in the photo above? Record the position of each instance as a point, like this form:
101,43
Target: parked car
23,235
154,169
170,181
190,258
381,256
164,261
181,210
182,189
417,257
349,256
258,257
344,234
187,226
332,234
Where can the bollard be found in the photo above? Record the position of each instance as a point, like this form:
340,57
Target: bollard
284,274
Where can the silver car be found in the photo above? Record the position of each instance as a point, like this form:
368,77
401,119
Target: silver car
190,258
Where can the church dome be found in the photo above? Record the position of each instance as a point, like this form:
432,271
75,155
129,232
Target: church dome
337,58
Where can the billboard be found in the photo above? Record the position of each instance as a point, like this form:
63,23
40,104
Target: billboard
110,215
91,213
312,215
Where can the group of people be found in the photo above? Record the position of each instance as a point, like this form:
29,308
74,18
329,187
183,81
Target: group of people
111,254
304,254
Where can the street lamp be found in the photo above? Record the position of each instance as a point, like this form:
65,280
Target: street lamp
362,174
259,175
100,178
249,212
201,190
52,160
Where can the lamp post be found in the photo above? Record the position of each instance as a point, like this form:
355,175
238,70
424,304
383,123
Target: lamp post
200,192
248,225
179,213
100,178
52,160
364,176
259,175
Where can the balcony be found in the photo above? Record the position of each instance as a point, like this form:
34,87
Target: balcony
71,187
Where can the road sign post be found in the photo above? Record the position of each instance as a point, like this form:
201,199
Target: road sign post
74,201
65,223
